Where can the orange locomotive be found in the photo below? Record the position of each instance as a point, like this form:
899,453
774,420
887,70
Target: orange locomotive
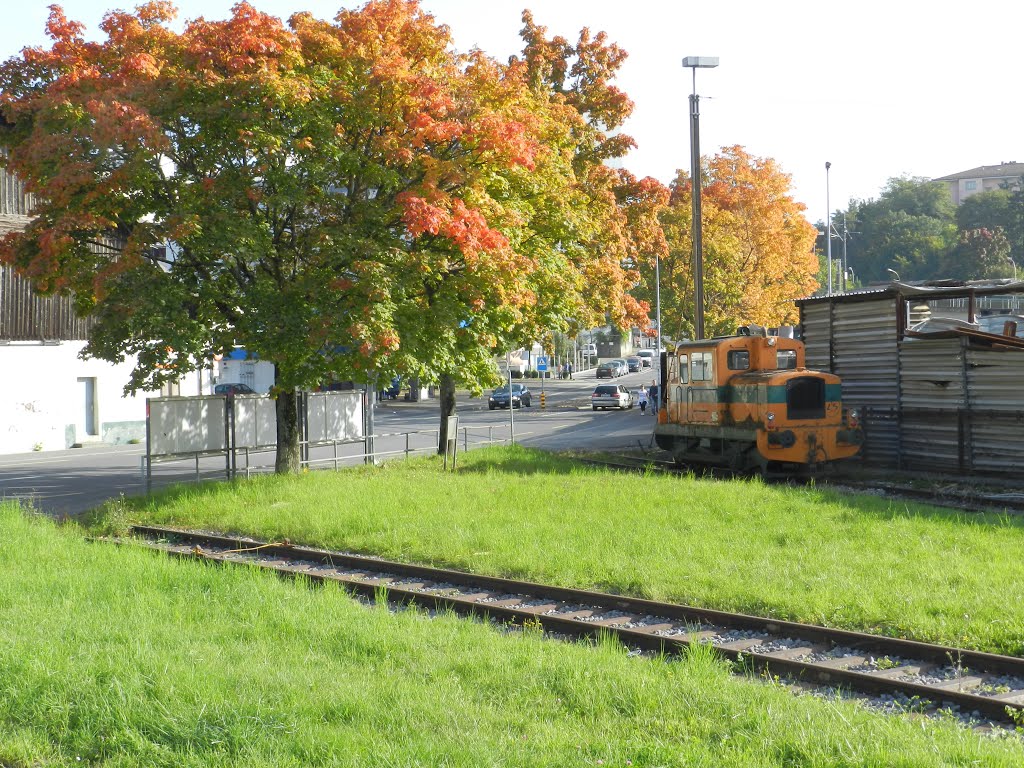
747,402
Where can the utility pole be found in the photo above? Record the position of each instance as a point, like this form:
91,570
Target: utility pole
828,228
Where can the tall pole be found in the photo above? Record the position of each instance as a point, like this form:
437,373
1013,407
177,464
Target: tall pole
828,229
698,255
657,319
511,410
693,62
846,233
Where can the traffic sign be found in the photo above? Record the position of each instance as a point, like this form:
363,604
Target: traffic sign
542,363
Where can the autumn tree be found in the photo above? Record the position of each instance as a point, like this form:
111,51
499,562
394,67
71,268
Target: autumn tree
757,246
341,198
604,223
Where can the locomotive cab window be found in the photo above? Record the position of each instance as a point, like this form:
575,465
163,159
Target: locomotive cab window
805,398
738,360
701,367
785,360
683,370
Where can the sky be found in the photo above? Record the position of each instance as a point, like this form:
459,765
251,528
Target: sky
877,89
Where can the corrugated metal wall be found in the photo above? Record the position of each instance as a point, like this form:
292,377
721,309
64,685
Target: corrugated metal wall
816,323
926,403
27,316
932,396
996,419
14,201
857,341
24,315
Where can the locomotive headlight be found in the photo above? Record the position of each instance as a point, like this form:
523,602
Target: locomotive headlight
854,417
771,417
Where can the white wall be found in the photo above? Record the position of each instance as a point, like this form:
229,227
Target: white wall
258,374
43,398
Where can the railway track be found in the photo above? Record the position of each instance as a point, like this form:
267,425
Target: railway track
952,493
982,688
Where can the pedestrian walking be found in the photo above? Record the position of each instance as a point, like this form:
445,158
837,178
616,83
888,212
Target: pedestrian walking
641,398
569,368
655,405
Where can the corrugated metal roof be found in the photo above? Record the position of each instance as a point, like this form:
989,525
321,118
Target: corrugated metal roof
932,289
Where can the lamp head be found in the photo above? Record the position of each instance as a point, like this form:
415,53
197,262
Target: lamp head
703,62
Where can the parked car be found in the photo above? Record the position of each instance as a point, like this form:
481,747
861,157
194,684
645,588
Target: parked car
611,396
634,364
622,365
607,371
500,398
646,357
233,389
590,350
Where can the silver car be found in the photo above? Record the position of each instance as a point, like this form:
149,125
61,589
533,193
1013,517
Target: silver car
611,396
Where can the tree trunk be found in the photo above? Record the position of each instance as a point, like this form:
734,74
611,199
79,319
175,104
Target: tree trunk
289,457
447,387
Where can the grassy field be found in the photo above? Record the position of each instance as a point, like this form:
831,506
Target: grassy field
807,554
123,657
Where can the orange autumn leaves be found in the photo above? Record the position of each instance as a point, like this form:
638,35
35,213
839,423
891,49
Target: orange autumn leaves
351,194
758,246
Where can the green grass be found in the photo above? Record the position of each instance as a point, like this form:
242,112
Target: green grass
124,657
798,553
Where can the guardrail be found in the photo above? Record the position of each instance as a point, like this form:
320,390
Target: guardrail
472,436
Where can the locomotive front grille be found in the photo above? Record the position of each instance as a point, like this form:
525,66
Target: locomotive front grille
805,398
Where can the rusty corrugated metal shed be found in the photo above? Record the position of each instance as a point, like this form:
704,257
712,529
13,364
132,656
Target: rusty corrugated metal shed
948,400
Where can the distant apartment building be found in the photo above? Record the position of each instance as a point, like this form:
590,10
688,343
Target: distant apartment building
985,178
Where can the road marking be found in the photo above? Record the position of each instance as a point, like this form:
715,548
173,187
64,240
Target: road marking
35,458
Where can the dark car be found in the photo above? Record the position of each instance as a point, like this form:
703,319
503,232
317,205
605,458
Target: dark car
607,371
233,389
634,364
393,390
500,397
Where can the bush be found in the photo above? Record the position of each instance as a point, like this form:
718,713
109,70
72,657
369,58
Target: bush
517,374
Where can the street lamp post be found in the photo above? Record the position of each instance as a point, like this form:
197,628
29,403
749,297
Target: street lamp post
695,62
657,319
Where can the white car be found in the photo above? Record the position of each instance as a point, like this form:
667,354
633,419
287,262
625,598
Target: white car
646,357
612,396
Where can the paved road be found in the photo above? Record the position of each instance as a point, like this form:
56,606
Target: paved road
73,481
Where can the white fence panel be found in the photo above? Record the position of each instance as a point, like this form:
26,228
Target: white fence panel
181,425
335,416
255,421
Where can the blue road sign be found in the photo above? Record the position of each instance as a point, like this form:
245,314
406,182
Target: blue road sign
542,363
